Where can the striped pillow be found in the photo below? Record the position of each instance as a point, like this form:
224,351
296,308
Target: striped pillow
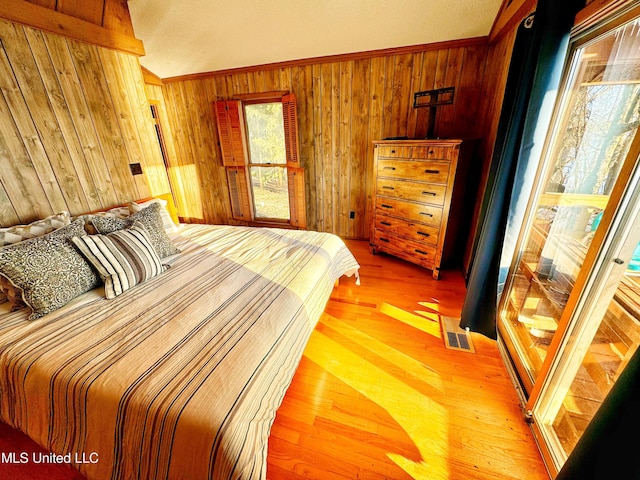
123,258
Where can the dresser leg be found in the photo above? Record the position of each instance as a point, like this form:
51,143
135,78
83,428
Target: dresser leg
436,273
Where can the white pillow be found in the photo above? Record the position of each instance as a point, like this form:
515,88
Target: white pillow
167,221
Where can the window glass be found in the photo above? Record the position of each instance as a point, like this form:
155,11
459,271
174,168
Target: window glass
267,160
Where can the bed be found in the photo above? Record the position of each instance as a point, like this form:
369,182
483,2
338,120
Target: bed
181,375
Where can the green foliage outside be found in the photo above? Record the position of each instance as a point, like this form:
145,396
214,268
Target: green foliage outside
265,127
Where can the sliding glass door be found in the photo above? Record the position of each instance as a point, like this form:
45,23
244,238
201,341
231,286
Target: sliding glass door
603,332
569,315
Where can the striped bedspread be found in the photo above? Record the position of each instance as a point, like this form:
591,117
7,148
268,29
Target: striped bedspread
181,376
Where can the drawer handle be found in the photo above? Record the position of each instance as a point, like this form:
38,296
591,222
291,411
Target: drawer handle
429,193
385,187
421,252
431,152
424,234
385,223
426,214
388,168
393,151
384,239
387,206
434,172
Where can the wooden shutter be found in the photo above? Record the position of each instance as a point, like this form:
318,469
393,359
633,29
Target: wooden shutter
295,174
289,113
239,193
231,132
297,203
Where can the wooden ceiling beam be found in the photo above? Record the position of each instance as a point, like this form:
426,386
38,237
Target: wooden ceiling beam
43,18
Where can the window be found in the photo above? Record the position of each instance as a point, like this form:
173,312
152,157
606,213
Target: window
267,160
259,143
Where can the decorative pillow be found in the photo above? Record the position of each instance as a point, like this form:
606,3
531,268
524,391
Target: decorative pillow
150,218
19,233
48,269
10,293
116,212
167,221
123,258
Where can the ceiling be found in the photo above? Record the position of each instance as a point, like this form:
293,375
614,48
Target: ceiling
192,36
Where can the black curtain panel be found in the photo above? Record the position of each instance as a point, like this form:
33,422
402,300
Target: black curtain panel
533,79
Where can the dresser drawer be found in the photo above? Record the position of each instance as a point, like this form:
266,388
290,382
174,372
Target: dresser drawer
416,252
426,171
394,152
418,212
414,231
419,192
433,152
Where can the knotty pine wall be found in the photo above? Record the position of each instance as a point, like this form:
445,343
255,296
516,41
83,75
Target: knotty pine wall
492,90
73,116
343,106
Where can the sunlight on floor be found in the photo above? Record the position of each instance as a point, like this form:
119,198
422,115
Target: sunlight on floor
434,317
423,420
417,321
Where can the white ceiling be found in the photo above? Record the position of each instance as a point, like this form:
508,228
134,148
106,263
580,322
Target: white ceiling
191,36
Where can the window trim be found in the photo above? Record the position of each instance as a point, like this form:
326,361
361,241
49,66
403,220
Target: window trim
232,136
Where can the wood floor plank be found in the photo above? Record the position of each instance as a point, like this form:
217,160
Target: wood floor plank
377,395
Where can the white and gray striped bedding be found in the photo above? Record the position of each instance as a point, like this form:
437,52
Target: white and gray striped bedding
179,377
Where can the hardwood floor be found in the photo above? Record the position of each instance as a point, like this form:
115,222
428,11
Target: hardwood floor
378,396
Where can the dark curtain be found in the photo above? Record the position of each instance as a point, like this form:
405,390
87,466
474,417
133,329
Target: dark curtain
533,79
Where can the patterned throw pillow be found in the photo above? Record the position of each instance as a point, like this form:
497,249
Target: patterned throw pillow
19,233
151,220
48,269
116,212
123,258
10,293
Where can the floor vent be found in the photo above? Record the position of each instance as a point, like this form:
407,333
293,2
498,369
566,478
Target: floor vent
455,338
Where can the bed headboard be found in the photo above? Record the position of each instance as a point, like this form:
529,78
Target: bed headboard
168,197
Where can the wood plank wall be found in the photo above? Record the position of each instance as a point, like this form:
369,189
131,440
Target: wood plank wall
492,92
73,116
342,107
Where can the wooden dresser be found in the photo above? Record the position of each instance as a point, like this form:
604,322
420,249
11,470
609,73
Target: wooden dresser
418,199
